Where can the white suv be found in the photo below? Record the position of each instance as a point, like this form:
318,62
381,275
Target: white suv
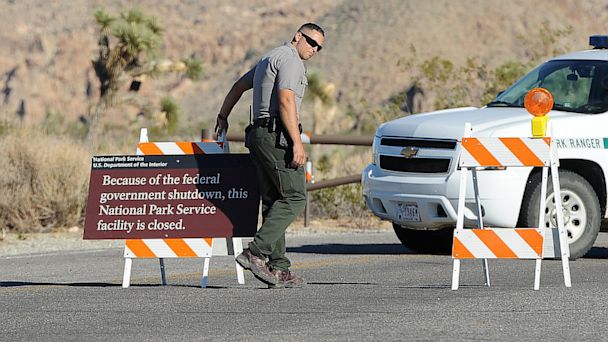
413,179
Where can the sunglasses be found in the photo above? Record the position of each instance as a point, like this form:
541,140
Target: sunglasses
311,42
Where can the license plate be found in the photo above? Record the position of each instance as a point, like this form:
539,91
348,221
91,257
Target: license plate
408,212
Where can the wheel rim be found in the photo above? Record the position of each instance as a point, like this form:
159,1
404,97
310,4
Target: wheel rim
575,214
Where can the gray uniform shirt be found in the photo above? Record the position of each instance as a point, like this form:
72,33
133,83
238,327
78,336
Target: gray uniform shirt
280,68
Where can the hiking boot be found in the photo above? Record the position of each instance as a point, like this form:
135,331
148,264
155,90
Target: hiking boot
286,279
257,266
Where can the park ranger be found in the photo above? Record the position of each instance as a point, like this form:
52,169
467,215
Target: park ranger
273,138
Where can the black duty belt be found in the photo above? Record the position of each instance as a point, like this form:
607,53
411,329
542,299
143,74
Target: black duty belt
263,122
270,122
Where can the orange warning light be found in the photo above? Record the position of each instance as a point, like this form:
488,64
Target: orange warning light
538,101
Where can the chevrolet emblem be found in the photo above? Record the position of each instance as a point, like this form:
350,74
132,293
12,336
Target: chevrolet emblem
409,151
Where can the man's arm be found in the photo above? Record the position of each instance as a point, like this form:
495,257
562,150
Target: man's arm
238,88
289,119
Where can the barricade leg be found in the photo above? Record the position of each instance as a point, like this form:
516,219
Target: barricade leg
162,271
456,274
486,272
537,275
205,273
126,278
459,221
237,245
566,268
563,238
563,245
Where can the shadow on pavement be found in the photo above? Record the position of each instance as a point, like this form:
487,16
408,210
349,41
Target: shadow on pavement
339,248
30,283
256,286
94,284
597,253
423,286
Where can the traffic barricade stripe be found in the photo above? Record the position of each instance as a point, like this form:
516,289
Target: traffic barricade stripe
139,249
186,147
169,248
197,149
211,147
496,245
460,251
501,243
479,152
201,246
169,148
505,152
180,248
160,248
179,148
149,149
534,239
541,148
521,151
497,148
473,243
518,243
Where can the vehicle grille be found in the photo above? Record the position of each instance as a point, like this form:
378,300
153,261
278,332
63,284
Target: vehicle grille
424,143
422,165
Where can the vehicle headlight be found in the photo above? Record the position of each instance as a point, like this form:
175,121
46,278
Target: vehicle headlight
375,144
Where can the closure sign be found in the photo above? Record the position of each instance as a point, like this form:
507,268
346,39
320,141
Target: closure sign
172,196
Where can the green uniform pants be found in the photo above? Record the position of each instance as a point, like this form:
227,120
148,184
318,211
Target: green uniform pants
283,192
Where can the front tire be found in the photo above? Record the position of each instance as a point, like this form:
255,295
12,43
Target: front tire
425,241
580,204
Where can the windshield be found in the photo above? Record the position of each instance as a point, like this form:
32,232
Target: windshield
577,86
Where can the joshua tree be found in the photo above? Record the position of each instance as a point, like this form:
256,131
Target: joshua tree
127,53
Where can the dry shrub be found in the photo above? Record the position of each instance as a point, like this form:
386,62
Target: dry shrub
345,201
43,181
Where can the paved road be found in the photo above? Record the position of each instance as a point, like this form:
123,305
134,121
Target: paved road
362,286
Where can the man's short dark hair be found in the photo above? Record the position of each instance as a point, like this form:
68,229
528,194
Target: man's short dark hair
312,26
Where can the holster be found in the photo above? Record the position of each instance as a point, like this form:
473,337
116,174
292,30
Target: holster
284,141
274,125
247,134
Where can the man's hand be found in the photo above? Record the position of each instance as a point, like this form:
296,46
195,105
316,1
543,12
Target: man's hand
299,155
238,88
221,125
289,120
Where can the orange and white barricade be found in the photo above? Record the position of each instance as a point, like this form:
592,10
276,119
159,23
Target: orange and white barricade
535,243
181,247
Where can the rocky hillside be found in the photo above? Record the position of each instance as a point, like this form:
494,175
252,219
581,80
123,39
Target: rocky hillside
47,47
